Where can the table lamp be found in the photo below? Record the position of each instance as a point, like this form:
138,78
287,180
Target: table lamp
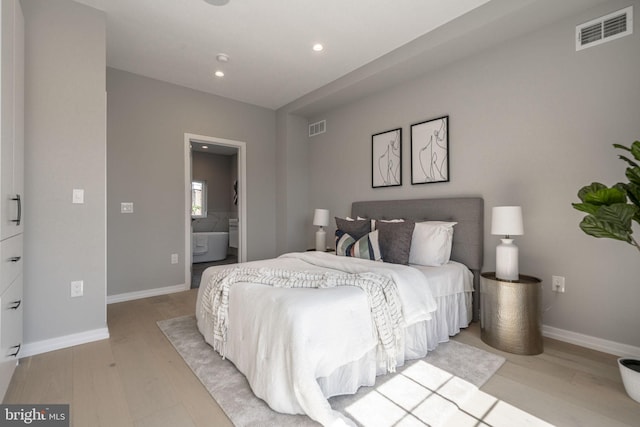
507,221
321,219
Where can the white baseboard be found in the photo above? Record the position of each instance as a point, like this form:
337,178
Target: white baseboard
599,344
44,346
129,296
38,347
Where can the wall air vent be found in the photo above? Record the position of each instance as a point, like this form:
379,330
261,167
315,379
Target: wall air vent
606,28
317,128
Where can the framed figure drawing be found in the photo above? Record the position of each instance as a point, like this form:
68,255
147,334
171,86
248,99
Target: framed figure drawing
386,157
430,151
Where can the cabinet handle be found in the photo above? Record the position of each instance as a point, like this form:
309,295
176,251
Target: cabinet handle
17,199
15,305
15,258
17,351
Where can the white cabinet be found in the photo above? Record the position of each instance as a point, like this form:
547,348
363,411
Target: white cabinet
11,187
12,125
10,261
10,331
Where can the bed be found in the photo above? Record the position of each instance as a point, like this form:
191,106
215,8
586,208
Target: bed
298,346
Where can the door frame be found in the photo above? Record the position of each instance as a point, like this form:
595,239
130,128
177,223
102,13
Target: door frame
242,195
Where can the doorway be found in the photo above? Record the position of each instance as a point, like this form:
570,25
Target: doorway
225,147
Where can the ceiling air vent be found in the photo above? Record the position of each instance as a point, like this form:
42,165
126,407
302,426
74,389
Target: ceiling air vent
606,28
317,128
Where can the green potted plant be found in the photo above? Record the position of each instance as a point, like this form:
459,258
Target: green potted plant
611,212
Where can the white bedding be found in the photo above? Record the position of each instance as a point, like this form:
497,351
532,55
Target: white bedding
299,346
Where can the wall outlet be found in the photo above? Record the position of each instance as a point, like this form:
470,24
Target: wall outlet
174,258
77,288
557,284
78,196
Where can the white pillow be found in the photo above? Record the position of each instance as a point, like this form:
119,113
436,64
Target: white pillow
373,221
431,243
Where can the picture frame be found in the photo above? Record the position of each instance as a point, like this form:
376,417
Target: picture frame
430,151
386,158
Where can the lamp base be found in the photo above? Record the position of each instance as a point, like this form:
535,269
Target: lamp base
507,261
321,240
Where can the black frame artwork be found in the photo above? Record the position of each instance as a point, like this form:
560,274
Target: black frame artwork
430,151
386,158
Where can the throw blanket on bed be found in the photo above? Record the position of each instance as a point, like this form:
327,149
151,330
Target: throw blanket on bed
382,294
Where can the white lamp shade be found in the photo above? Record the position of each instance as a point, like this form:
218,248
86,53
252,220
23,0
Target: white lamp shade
321,217
507,221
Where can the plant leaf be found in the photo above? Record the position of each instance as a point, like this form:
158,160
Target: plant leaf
633,174
628,160
586,207
605,196
633,193
602,229
609,213
595,186
618,215
621,186
622,147
635,149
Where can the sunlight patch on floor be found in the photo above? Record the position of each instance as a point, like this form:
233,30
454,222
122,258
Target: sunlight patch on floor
424,395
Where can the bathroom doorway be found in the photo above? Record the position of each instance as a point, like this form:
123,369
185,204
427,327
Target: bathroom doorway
215,203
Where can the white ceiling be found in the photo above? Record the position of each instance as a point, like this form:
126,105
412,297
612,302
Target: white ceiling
269,42
369,44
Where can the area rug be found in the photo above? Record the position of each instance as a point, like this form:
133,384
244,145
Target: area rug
427,391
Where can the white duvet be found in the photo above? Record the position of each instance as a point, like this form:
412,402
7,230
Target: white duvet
283,340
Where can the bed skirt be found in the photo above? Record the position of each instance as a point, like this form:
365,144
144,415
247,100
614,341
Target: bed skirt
420,338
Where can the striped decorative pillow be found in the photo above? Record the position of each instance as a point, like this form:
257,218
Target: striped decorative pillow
366,247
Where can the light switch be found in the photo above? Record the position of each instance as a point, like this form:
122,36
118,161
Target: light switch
126,207
78,196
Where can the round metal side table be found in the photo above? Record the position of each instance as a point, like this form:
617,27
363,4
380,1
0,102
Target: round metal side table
510,314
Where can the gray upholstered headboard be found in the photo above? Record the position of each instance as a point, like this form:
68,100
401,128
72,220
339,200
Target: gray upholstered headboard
468,235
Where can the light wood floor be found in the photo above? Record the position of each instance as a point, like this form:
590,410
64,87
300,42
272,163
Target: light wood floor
136,378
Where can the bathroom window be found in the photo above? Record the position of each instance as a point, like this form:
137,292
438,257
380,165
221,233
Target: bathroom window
198,199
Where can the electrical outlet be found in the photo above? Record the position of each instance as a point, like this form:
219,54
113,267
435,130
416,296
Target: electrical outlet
557,284
174,258
77,288
78,196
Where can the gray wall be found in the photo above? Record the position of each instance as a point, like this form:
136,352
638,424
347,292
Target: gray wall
147,120
65,132
531,121
294,212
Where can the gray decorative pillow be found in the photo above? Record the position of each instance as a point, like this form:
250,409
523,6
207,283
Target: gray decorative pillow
355,228
395,240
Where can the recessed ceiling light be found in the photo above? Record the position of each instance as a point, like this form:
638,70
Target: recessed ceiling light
217,2
219,73
318,47
222,57
205,146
